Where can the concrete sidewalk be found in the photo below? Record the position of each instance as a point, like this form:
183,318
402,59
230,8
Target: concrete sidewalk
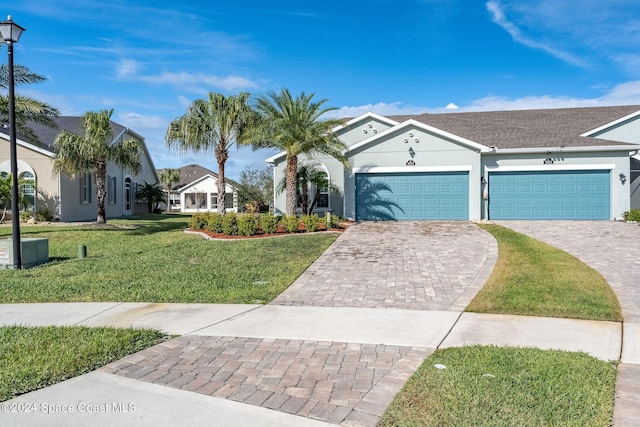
273,365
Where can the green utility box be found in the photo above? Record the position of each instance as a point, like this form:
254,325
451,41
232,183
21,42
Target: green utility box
34,252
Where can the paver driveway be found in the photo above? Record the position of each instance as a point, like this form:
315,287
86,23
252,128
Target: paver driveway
434,265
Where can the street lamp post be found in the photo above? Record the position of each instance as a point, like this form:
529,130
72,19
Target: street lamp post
10,34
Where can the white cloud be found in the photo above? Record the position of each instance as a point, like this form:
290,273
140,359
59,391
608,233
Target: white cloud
193,82
384,109
500,18
622,94
126,68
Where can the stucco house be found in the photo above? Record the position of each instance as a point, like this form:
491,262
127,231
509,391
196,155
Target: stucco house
74,199
197,191
573,163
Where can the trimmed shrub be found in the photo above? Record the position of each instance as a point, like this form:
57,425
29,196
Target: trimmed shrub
44,214
26,216
310,222
214,223
198,221
229,224
290,223
247,225
334,221
268,223
632,215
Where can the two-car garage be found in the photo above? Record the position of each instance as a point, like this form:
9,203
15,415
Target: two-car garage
542,194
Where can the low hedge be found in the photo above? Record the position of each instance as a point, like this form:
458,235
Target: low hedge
232,224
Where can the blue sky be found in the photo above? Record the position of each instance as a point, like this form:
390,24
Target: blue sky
149,59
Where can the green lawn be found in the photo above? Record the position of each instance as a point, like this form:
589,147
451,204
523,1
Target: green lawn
151,259
491,386
33,358
534,279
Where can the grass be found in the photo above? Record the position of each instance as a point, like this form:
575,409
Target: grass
151,259
534,279
33,358
491,386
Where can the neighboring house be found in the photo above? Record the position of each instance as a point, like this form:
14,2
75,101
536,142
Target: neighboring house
570,163
75,199
197,191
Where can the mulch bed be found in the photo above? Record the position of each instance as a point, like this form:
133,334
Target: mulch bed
260,234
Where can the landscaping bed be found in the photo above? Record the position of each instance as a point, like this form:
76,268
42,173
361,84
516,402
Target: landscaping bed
261,225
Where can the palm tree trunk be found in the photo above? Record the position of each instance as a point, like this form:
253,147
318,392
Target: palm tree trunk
101,176
290,179
221,188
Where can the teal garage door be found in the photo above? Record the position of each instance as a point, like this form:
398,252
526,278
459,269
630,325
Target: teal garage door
412,196
549,195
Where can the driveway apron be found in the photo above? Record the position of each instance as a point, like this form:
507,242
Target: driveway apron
408,265
612,249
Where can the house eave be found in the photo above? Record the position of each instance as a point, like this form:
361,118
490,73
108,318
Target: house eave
430,129
603,128
537,150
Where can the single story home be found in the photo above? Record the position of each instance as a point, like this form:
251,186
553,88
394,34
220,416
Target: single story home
197,191
571,163
74,199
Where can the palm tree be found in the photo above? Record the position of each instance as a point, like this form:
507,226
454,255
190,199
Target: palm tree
168,177
212,124
27,109
152,194
91,152
294,125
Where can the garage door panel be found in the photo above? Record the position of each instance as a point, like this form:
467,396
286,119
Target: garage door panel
407,196
550,195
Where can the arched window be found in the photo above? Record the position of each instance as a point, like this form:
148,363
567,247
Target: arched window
127,194
28,188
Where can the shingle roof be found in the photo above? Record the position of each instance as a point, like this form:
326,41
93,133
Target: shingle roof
46,135
528,128
191,173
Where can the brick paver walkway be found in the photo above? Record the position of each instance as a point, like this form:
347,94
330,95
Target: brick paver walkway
328,381
408,265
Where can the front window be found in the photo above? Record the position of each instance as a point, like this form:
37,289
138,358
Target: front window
111,189
85,189
323,194
228,200
28,188
196,200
